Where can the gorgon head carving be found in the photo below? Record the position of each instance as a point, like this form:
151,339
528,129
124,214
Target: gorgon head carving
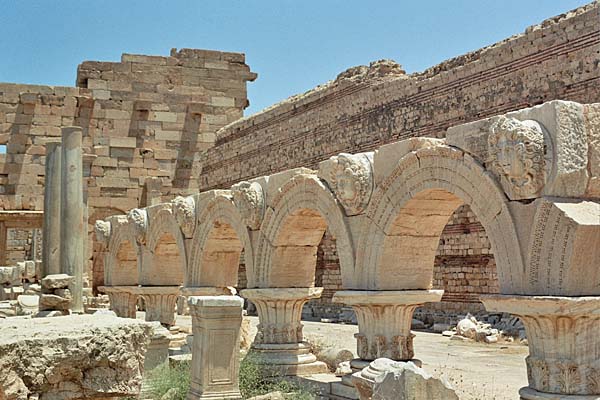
351,178
184,209
516,151
249,198
138,218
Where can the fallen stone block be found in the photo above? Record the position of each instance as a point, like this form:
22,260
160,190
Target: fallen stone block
56,281
72,357
385,379
53,302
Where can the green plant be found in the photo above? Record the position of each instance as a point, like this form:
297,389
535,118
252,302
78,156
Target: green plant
256,379
165,377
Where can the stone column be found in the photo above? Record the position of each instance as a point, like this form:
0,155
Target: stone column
563,334
72,227
216,322
123,299
160,303
279,341
384,320
52,204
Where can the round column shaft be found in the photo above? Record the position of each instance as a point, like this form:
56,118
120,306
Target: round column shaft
52,204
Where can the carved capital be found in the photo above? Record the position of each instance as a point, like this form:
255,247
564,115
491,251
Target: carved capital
280,313
138,218
350,176
103,230
249,198
184,209
562,333
384,320
517,156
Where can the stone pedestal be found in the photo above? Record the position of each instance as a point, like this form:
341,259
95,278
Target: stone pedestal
160,303
123,299
72,229
216,322
384,320
564,344
279,342
51,228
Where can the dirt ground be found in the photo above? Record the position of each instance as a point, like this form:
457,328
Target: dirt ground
477,371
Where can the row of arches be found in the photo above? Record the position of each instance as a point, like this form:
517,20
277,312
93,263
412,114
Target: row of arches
386,210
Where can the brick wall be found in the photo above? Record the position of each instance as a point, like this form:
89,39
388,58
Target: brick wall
365,107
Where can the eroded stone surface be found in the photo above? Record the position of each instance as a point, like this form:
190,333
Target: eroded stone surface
71,357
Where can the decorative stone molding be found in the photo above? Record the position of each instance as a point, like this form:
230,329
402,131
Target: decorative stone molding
350,176
279,339
103,230
564,345
184,209
249,198
280,312
138,218
123,299
516,154
216,324
160,302
384,320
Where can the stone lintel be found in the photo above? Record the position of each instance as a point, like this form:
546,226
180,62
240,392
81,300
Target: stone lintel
208,291
382,297
282,293
542,305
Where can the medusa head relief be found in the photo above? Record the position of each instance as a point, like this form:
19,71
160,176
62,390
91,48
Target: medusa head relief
517,154
351,178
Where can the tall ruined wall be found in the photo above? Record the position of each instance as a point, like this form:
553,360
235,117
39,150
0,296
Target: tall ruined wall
367,107
147,121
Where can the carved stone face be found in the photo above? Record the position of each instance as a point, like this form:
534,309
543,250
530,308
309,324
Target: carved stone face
512,160
516,150
350,177
346,185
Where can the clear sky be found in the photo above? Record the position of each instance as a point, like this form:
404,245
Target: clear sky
292,45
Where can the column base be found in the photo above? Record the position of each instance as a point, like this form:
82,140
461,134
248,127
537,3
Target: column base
193,395
287,359
528,393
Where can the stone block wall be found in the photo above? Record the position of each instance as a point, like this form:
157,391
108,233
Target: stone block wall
147,121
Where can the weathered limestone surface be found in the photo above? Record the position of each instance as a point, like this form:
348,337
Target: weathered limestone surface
564,355
52,205
384,320
72,229
216,322
279,341
385,379
71,357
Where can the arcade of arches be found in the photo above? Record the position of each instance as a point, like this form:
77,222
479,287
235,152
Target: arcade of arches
529,177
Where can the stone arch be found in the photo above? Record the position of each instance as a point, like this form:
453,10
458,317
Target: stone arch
96,251
121,265
220,237
409,209
293,227
165,242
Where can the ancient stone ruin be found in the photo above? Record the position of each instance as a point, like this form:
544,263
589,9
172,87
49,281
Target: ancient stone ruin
473,186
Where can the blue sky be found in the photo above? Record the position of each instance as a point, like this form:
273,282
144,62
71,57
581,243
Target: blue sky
292,45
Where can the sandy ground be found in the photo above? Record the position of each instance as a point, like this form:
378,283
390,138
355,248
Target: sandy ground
478,371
